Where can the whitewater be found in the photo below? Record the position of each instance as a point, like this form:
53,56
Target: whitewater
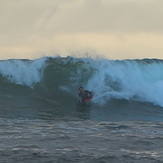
42,121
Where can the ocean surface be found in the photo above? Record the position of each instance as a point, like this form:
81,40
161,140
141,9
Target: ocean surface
41,119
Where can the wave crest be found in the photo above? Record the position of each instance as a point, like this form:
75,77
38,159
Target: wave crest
140,80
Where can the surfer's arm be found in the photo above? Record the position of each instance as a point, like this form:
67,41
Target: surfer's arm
80,97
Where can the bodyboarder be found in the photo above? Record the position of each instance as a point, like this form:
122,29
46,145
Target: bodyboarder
85,95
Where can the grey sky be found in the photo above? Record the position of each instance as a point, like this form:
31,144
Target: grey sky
115,28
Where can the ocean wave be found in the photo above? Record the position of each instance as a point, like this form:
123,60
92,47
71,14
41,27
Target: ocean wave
137,80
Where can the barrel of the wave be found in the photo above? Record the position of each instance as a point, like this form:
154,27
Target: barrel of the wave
85,96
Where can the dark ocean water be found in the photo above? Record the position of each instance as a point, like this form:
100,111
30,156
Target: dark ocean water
42,121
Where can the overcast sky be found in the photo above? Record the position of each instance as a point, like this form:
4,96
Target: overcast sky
116,29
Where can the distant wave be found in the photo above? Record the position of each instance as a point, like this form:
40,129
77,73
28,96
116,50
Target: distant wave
58,78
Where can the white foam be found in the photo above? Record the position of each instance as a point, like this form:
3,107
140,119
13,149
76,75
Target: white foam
22,72
128,80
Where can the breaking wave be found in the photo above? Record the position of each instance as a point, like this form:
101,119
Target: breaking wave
55,79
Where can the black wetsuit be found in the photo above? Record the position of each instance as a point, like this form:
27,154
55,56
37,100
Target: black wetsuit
85,95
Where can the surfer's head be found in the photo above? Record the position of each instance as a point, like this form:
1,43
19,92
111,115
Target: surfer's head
81,89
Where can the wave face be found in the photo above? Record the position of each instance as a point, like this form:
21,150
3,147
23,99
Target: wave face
54,82
140,80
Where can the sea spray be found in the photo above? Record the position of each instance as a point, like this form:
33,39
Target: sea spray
127,79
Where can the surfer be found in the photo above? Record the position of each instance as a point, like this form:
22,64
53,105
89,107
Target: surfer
84,95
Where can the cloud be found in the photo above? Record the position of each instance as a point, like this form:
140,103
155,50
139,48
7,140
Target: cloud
119,29
109,16
49,17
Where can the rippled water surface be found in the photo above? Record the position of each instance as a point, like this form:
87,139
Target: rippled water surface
80,141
